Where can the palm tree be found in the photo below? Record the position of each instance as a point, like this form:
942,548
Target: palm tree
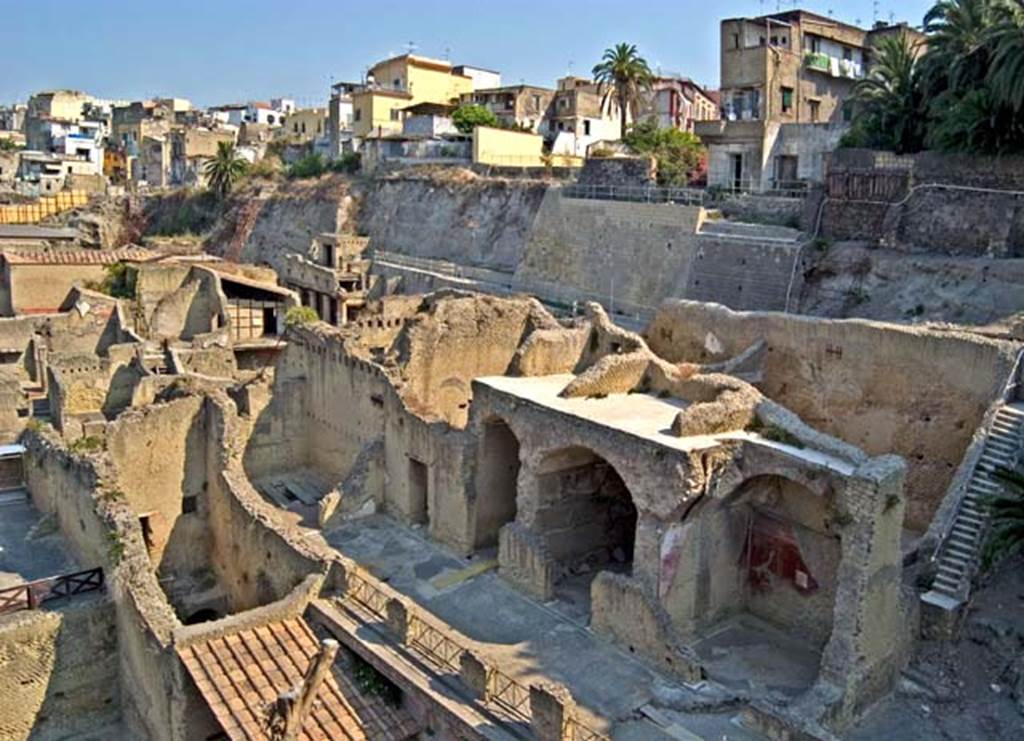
889,99
1006,75
958,43
225,169
624,75
1007,517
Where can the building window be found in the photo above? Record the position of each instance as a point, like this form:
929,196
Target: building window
735,41
536,102
787,100
357,114
397,83
395,114
586,128
761,41
847,54
815,106
847,111
189,504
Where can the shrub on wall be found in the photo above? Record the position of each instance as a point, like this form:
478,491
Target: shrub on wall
300,316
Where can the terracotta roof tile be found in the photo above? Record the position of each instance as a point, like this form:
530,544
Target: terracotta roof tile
241,673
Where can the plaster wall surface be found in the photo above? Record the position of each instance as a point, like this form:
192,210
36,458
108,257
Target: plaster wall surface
885,388
159,455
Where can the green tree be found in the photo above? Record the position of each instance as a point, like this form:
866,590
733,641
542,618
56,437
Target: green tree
1006,75
1006,535
889,102
311,165
679,153
468,117
225,169
624,75
958,44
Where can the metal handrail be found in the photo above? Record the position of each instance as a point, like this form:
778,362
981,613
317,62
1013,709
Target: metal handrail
635,193
431,642
362,590
509,694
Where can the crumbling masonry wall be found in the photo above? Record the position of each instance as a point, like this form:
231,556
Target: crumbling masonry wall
916,392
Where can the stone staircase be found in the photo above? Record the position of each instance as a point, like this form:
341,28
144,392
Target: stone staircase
962,548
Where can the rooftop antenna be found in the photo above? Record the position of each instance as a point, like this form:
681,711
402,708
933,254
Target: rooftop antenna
874,12
831,13
448,52
410,47
892,18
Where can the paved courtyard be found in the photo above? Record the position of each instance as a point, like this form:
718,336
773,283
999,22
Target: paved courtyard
528,640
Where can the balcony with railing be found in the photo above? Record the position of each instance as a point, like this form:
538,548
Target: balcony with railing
833,66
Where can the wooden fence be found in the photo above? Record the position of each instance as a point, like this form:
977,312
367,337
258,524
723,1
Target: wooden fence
30,595
888,186
36,211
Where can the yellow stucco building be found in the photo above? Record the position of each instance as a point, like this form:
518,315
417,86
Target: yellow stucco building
401,82
304,125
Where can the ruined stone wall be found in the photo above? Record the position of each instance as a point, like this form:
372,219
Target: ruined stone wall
343,403
424,474
103,531
256,557
59,670
967,219
884,388
460,339
619,171
159,456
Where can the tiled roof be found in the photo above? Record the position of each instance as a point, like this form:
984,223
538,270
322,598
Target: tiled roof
76,256
241,674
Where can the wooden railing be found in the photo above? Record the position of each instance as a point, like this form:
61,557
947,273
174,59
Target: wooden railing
30,595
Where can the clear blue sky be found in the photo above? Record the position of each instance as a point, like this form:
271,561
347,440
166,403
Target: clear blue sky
215,51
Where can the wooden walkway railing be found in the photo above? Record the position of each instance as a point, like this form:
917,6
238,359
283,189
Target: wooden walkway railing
30,595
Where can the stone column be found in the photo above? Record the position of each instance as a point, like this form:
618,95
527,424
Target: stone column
869,633
551,706
397,619
473,674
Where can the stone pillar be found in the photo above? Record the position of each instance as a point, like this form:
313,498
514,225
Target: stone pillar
551,706
336,582
869,630
525,562
473,674
397,619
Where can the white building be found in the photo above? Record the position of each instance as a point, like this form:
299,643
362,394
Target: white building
483,79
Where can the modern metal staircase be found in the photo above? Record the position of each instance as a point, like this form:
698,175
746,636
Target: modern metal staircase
961,549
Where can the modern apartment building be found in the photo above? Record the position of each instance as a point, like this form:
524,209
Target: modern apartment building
786,81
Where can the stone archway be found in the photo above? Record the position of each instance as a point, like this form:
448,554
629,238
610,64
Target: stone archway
497,478
585,515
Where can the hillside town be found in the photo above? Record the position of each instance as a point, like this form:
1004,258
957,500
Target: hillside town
613,406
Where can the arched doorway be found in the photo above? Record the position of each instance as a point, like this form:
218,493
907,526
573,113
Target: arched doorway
587,518
496,481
